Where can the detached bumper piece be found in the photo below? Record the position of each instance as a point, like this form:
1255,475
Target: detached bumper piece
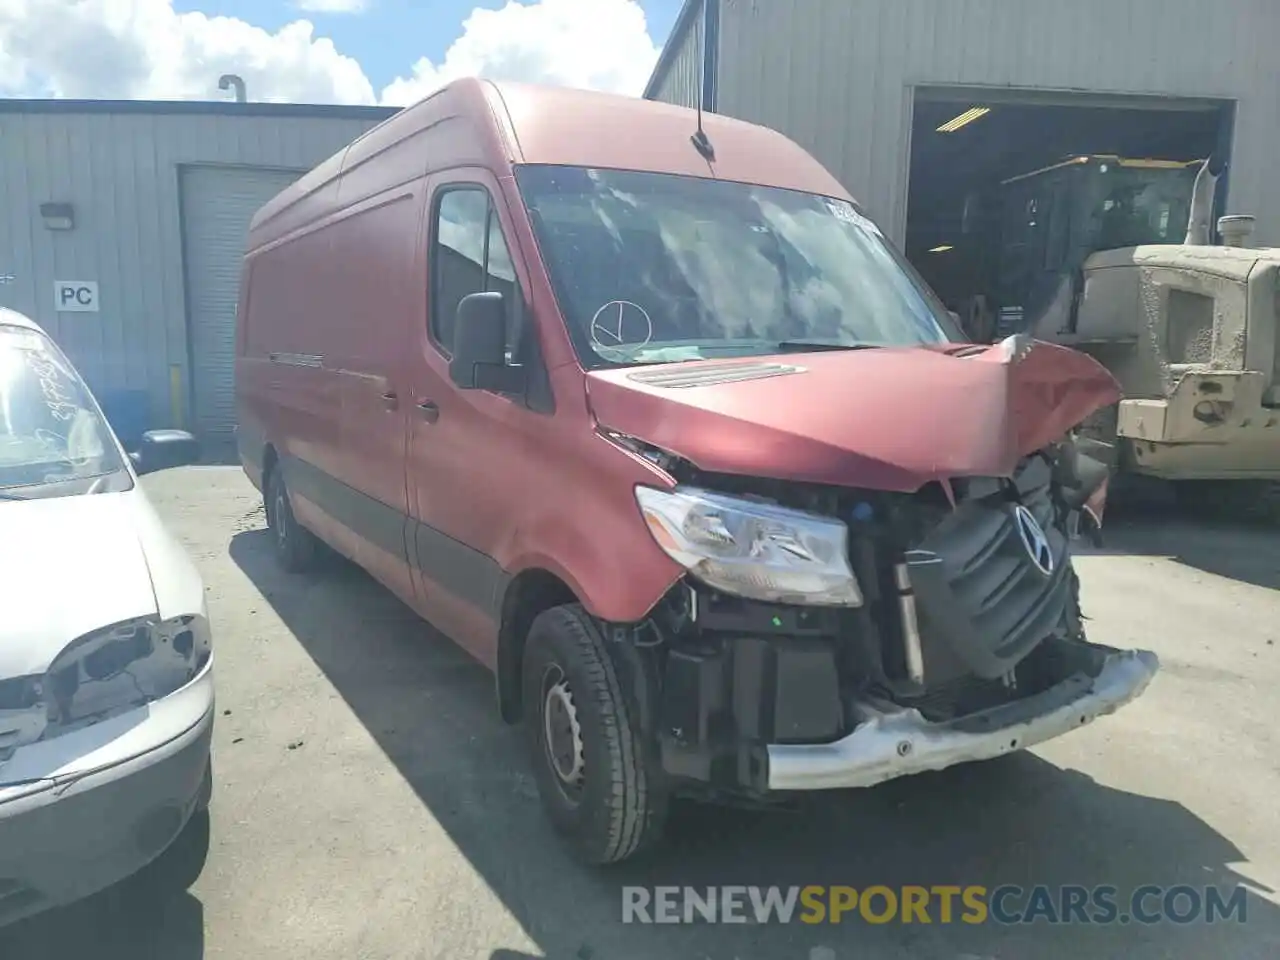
894,741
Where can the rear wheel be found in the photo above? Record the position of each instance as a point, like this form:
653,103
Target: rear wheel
595,773
294,545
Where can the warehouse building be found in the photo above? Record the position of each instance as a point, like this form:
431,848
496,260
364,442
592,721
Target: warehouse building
917,106
121,230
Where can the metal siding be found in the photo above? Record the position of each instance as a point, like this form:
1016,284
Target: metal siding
836,75
217,205
681,84
120,171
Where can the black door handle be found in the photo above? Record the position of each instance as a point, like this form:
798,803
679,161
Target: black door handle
390,400
430,412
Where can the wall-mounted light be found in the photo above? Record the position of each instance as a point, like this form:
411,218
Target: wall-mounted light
943,248
964,119
58,216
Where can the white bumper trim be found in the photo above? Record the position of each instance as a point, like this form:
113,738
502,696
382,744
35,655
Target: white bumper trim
898,742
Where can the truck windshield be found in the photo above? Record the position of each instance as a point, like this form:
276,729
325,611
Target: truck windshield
651,267
51,432
1139,206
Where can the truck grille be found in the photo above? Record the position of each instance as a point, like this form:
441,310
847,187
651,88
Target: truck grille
984,601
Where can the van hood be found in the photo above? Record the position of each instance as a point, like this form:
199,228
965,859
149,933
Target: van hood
69,565
882,418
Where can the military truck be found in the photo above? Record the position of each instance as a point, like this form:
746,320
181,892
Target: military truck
1114,257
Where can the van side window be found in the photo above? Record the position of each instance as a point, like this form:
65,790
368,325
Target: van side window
470,255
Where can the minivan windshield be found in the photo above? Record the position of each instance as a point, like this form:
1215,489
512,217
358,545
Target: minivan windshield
653,267
51,433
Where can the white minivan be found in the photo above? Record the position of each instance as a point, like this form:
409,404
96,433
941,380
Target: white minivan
106,666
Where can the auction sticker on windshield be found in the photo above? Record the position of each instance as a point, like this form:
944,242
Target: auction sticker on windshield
846,211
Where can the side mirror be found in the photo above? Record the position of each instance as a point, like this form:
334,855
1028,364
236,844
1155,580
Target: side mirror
480,346
161,449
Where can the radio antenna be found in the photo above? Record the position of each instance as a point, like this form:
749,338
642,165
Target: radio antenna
700,141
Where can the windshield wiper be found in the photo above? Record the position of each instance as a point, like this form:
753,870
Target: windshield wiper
12,496
805,346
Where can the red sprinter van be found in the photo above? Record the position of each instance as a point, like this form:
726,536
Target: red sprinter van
656,424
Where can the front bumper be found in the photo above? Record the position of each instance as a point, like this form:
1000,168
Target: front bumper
897,742
1213,425
87,823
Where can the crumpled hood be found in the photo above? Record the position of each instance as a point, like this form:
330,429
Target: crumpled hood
68,565
886,419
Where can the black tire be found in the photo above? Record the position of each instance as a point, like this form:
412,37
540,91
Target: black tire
1256,501
294,545
607,799
205,797
178,866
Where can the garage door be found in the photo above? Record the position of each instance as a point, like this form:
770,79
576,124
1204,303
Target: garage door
217,205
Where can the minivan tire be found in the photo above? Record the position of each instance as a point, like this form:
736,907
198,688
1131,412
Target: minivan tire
598,784
294,545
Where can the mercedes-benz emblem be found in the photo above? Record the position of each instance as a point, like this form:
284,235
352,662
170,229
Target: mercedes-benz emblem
1034,540
621,323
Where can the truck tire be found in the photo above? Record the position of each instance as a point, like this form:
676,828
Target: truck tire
1250,501
591,761
294,545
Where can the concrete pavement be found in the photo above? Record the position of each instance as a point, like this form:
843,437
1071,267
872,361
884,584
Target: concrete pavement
369,804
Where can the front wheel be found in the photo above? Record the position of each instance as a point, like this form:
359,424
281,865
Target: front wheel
591,761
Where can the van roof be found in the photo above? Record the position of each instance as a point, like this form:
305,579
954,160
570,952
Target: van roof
498,125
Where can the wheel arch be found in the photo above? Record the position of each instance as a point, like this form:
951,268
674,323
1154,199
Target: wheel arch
270,461
529,593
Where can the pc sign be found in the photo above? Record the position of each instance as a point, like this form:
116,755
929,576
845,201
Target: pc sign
75,296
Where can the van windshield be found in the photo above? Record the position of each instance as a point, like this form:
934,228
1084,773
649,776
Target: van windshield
651,267
51,433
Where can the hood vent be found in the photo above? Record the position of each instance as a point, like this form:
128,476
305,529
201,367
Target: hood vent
711,374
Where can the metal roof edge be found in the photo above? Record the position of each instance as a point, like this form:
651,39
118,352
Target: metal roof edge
684,20
199,108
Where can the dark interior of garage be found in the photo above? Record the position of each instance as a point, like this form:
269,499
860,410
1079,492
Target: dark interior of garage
957,173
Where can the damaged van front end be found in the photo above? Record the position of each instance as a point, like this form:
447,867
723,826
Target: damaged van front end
875,583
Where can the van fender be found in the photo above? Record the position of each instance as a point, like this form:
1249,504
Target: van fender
616,577
538,581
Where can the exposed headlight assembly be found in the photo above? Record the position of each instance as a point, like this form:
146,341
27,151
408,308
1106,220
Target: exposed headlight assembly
756,550
122,667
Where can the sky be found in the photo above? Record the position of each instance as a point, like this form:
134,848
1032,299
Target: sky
389,52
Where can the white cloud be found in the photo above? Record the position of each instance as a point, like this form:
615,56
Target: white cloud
144,49
333,6
598,44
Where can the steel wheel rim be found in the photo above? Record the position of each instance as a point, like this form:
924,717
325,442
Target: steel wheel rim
280,511
562,733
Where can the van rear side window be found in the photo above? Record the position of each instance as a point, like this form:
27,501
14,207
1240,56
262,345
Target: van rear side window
469,256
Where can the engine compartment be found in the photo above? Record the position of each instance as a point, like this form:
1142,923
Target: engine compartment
958,617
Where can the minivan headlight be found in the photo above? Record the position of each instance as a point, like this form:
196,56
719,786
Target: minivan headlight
755,550
121,667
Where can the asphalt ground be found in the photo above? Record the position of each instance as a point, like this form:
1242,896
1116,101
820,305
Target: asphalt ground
370,804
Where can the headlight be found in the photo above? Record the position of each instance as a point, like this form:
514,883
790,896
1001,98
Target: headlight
755,550
122,667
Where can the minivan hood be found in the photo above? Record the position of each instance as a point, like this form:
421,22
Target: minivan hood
884,418
69,565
